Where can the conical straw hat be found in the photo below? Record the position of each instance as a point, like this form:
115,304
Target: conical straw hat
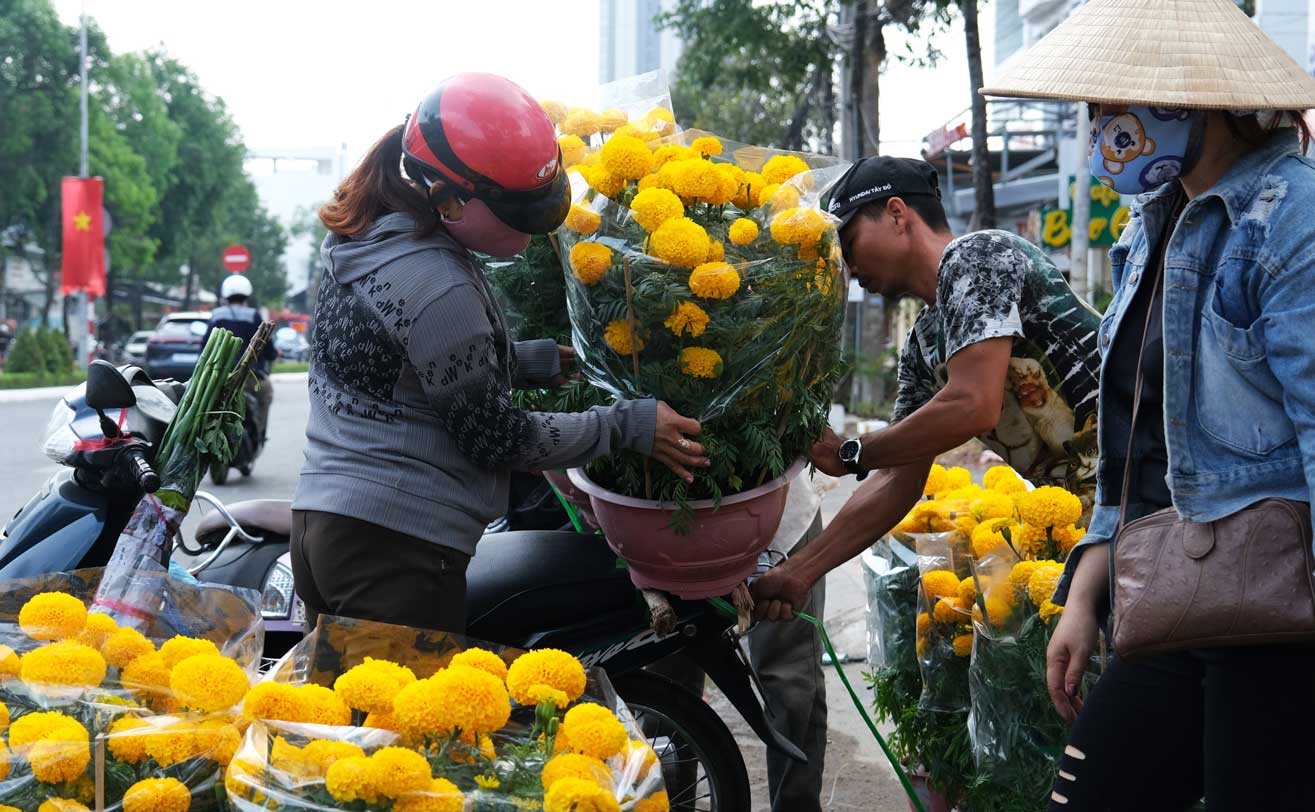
1170,53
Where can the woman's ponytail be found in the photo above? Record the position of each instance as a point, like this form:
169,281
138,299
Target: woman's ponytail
376,188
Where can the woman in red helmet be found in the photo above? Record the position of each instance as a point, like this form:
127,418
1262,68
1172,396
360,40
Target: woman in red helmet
412,433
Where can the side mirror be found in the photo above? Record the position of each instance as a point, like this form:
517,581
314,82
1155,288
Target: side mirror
107,388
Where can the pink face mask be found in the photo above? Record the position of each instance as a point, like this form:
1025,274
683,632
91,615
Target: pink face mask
479,229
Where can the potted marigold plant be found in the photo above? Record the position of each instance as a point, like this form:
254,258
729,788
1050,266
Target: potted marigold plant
704,274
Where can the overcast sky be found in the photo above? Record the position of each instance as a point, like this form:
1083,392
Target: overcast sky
315,74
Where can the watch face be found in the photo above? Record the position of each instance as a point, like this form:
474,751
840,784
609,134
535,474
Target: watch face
849,450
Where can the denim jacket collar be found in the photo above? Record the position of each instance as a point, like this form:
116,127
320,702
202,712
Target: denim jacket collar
1240,184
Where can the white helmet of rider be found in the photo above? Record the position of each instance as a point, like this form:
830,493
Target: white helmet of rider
235,285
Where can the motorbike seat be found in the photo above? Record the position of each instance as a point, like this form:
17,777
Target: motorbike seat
545,578
273,515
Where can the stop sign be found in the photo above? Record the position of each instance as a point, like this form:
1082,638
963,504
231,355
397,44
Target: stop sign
236,258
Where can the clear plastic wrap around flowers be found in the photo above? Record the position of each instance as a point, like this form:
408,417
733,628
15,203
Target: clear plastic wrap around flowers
893,580
705,274
944,620
111,715
406,720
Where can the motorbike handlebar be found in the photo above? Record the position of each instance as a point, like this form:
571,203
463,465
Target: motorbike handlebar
147,479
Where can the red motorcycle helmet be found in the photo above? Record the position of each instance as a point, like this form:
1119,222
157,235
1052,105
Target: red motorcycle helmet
485,137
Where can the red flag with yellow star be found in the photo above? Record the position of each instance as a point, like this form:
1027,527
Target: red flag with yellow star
84,236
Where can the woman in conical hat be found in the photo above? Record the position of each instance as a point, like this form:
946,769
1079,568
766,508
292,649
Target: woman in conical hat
1212,322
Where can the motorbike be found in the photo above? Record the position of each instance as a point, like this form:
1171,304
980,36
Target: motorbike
252,443
104,432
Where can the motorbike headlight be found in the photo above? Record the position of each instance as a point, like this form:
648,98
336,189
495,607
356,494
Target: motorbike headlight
277,595
60,438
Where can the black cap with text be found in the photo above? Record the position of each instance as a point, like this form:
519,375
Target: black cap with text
873,179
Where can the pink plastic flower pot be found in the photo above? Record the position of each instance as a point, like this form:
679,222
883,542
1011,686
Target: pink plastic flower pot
720,551
932,801
578,498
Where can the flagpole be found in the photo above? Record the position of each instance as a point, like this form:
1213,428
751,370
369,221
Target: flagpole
81,310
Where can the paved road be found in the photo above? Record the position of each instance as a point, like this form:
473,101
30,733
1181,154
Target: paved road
857,776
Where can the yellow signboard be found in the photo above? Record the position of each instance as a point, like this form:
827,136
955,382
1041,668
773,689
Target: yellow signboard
1108,219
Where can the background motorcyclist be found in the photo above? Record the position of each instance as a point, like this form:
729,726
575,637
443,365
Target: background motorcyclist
242,320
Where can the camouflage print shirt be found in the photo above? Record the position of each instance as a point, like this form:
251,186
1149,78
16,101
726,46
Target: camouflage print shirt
994,284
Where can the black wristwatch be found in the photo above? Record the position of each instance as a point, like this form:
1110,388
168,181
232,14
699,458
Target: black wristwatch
850,451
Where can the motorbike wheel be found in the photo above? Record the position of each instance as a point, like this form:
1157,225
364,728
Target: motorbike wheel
701,762
218,473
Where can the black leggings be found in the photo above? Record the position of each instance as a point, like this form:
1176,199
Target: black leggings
1236,726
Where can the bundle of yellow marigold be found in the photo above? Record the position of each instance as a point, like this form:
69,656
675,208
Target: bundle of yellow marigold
437,729
703,273
165,712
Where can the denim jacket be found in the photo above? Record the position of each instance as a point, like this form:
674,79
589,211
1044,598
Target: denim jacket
1239,341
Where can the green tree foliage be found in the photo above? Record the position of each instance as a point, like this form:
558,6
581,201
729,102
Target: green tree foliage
28,354
55,349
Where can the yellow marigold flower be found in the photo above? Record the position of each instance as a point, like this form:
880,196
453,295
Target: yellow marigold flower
1050,611
652,181
539,694
4,718
643,133
626,157
941,584
694,179
619,337
61,805
1066,538
968,590
660,118
1049,506
784,197
441,796
579,795
28,730
783,167
180,648
209,682
146,676
582,220
556,111
653,207
1021,574
10,663
766,193
173,743
124,646
998,608
700,362
743,231
707,145
324,752
923,623
689,318
52,616
353,779
594,731
921,648
714,280
946,611
574,765
716,252
369,689
680,241
381,721
935,481
4,764
963,645
581,122
989,536
1004,479
590,261
125,744
545,666
157,795
605,182
573,149
610,120
1030,541
638,749
670,152
799,226
64,663
323,706
60,760
751,186
482,659
455,698
401,771
98,629
657,802
275,701
487,781
957,477
727,177
288,758
991,505
1043,581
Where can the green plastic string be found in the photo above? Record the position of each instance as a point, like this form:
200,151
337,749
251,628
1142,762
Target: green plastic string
727,609
570,510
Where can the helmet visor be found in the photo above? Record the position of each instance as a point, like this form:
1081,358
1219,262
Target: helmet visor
540,213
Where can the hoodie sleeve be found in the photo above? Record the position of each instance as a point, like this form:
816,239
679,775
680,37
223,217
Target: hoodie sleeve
451,345
537,363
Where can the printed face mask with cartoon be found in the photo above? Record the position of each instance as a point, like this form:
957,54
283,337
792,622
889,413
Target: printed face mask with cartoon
1142,148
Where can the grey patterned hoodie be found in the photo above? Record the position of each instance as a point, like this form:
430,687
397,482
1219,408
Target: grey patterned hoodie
411,422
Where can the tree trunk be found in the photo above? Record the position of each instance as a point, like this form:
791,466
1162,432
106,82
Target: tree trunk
866,53
191,281
794,134
51,260
983,189
138,284
827,112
